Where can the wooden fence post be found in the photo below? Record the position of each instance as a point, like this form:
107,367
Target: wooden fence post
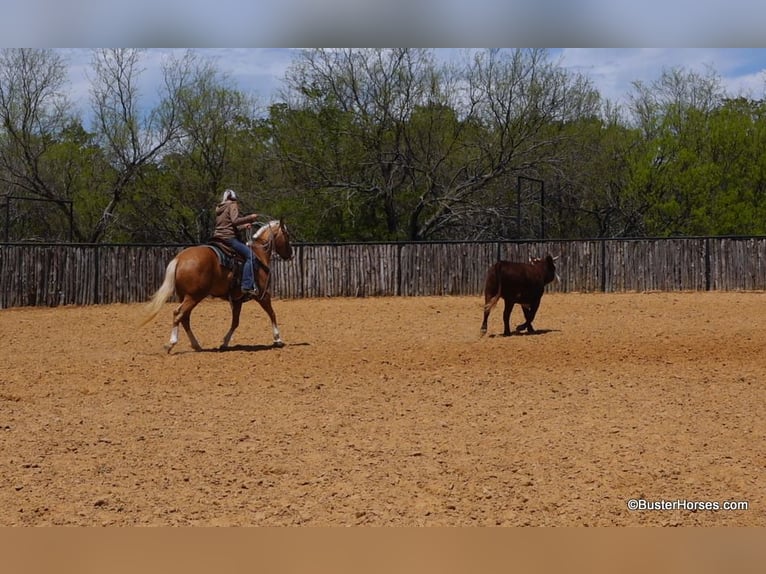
603,265
55,274
96,275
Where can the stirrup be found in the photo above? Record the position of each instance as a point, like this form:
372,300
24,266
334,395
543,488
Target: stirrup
243,297
248,294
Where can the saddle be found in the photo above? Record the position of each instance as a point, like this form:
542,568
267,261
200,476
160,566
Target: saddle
230,259
226,255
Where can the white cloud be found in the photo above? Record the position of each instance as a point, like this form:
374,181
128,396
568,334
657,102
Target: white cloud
260,71
613,71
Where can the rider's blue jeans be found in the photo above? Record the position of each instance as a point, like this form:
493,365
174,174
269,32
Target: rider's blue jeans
248,281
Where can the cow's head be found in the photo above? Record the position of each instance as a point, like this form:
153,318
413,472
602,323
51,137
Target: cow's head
550,268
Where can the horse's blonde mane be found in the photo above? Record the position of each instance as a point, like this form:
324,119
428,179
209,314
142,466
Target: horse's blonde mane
264,227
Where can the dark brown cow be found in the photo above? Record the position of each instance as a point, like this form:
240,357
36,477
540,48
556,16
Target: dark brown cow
522,283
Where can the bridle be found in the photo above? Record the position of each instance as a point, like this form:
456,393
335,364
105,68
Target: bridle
268,247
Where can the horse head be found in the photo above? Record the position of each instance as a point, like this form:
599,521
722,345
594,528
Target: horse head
274,236
282,244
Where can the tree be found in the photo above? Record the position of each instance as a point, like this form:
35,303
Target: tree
342,132
408,148
734,152
41,141
212,113
129,137
672,175
180,187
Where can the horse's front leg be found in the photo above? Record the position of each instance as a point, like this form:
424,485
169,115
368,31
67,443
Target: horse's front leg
265,303
236,308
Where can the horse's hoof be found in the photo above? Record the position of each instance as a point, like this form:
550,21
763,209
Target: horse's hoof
279,344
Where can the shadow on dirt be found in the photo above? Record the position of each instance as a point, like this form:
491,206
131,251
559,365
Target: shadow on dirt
254,348
241,348
526,334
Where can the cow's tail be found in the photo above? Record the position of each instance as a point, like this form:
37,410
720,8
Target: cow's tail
161,295
489,305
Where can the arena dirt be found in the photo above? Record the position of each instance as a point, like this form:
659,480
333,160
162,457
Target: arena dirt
389,411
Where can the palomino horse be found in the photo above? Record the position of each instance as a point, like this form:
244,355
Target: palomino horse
196,273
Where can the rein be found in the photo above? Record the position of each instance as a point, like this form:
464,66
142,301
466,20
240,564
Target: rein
268,246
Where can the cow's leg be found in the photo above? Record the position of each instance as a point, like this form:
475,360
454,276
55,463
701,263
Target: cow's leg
529,315
491,295
236,309
484,322
488,304
507,317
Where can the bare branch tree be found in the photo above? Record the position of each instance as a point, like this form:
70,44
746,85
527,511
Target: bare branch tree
130,136
34,110
44,151
428,139
212,115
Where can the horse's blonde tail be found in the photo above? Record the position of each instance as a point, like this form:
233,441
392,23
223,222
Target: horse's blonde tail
161,295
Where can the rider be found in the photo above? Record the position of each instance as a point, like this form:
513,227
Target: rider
227,221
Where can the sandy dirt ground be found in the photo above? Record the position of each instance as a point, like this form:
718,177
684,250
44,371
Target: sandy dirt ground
390,411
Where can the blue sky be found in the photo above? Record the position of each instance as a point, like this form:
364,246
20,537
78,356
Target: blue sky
613,70
259,71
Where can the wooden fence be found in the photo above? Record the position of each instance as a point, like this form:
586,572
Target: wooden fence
75,274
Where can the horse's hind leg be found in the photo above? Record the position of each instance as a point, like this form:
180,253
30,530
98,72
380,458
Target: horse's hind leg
185,321
236,308
174,331
182,315
265,302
